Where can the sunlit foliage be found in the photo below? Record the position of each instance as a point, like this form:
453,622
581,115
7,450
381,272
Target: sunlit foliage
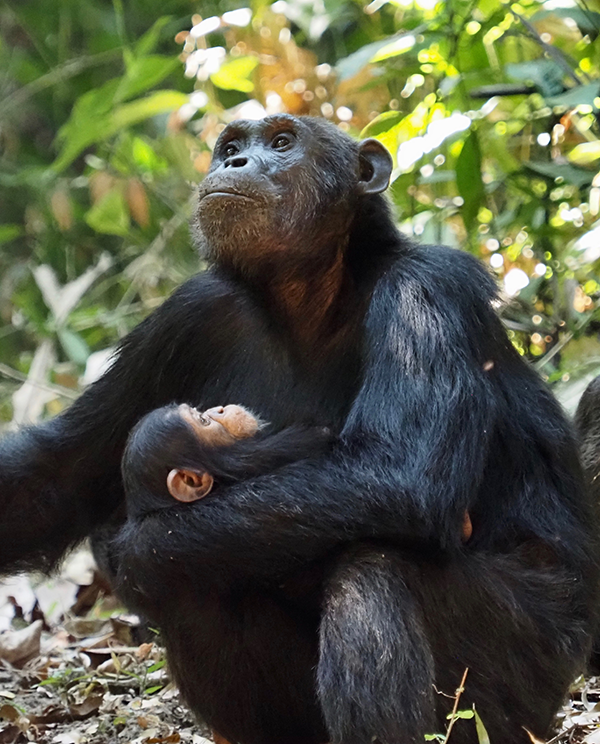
108,113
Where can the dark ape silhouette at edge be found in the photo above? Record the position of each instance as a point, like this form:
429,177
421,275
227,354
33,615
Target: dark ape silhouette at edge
323,601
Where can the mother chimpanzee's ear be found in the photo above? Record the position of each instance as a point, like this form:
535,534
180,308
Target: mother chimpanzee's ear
375,167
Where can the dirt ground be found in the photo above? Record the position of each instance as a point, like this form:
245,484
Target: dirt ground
75,668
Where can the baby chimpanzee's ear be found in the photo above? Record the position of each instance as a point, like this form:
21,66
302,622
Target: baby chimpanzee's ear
188,485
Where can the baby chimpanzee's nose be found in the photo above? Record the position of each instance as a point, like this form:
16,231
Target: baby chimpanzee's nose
215,412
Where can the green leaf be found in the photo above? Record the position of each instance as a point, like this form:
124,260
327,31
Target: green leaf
588,21
143,74
89,122
149,40
75,347
543,73
387,128
400,46
585,153
235,74
579,95
155,667
569,173
95,119
382,124
160,102
482,734
110,214
349,66
145,157
468,179
464,714
9,232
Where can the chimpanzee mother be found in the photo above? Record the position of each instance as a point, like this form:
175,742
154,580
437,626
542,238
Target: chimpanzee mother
335,598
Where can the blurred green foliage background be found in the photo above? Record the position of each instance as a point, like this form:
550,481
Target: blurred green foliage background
109,110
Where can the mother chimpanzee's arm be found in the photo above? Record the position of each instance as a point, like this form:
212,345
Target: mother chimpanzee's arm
413,454
60,479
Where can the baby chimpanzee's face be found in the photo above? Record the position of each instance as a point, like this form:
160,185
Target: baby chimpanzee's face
221,425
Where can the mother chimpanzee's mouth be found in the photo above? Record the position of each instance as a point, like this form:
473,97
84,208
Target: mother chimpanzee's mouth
226,193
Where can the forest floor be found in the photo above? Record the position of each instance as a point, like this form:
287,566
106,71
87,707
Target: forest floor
75,668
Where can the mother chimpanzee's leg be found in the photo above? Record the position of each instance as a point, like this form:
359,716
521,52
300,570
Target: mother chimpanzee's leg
399,630
245,662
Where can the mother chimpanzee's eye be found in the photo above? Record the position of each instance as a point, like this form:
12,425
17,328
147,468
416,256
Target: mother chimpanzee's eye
230,150
282,141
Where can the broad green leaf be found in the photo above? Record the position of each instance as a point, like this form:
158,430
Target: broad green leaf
160,102
145,157
149,40
87,124
545,74
9,232
400,46
351,65
94,118
587,20
580,95
386,128
75,347
110,214
391,47
468,179
143,74
235,74
382,124
569,173
585,154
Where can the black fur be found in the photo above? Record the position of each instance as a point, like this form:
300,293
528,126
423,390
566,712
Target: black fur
323,601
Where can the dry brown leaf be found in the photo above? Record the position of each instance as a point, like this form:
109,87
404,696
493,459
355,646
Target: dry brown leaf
83,628
137,201
60,203
101,183
122,628
9,713
81,711
18,646
11,735
144,651
52,714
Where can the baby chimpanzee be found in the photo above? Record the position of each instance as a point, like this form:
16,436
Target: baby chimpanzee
183,452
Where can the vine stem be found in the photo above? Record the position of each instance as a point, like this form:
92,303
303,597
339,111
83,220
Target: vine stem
459,692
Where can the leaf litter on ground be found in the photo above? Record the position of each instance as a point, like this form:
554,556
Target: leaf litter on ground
76,668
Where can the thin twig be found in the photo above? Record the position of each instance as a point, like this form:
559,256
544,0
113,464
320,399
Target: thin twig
554,350
14,374
69,69
459,692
